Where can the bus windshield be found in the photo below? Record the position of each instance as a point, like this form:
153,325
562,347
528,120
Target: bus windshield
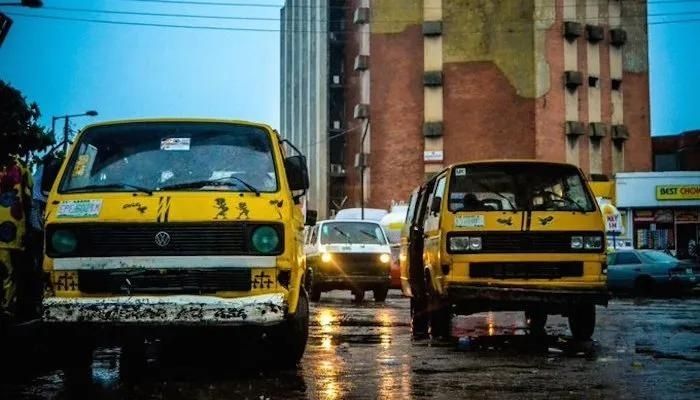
154,156
518,187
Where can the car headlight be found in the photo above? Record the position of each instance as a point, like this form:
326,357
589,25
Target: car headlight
577,242
465,243
326,257
265,239
64,241
384,258
593,242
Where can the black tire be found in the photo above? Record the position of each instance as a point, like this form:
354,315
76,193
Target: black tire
358,295
315,294
75,360
420,317
132,358
643,286
536,321
294,334
380,294
440,314
582,321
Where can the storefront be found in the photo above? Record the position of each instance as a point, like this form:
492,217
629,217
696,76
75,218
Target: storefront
662,209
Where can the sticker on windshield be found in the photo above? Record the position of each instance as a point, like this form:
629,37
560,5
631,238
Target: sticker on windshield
175,144
80,164
461,172
470,221
79,209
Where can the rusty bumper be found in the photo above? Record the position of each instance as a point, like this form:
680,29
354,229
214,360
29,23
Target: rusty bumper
261,310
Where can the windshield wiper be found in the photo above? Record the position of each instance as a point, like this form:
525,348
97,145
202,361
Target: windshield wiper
499,194
205,182
110,186
370,234
345,235
566,197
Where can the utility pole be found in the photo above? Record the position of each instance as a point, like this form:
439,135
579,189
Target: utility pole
66,128
363,162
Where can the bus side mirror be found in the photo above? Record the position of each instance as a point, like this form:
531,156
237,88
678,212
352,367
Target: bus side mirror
297,173
435,205
311,217
52,165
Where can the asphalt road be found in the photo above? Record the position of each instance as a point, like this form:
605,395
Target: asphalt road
642,349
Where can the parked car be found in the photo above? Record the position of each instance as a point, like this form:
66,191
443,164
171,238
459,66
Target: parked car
347,255
646,272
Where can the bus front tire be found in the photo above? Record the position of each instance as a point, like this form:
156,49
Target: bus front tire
380,294
582,321
294,335
536,321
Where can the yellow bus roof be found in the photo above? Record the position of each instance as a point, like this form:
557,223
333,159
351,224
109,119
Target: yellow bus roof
179,119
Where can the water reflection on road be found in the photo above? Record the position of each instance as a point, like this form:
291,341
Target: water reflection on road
642,350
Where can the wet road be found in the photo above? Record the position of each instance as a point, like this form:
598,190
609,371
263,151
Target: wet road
647,349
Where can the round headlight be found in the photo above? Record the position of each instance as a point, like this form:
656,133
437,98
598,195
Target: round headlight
576,242
265,239
326,257
64,241
385,258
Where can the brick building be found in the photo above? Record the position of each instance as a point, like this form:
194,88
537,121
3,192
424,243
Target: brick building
427,83
677,152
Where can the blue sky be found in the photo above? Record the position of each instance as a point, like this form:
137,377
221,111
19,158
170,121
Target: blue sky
131,71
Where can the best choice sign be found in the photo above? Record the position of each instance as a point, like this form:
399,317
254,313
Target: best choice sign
678,192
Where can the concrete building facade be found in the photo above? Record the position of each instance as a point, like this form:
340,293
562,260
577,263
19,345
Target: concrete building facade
428,83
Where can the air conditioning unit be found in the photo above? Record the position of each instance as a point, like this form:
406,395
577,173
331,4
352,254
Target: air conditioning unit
337,125
337,169
336,79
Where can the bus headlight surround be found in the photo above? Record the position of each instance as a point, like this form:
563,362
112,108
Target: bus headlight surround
64,241
385,258
265,239
465,243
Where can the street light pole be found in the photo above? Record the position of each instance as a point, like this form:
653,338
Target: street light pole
66,125
65,135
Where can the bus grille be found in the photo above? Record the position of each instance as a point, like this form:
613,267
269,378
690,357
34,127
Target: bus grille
186,281
526,270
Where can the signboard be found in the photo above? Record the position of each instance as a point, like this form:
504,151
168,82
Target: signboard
677,192
687,216
613,223
434,155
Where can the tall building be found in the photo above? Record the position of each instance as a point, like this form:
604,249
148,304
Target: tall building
427,83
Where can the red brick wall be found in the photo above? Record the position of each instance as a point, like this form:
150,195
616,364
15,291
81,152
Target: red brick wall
397,115
352,97
484,117
635,88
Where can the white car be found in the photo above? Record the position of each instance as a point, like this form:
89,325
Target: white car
347,255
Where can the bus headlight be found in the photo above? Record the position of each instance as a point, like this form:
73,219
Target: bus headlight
475,243
384,258
577,242
64,241
265,239
593,242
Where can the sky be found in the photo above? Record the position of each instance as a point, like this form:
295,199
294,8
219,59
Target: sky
126,71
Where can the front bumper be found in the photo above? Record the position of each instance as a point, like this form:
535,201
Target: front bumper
333,282
262,310
476,298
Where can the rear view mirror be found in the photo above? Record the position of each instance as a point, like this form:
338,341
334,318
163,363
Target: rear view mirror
311,217
51,166
435,205
297,173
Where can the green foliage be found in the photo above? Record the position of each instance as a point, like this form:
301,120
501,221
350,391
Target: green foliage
20,132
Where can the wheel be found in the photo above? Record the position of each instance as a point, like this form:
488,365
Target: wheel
315,294
132,358
643,286
358,295
420,318
76,360
582,321
291,342
536,321
380,294
440,319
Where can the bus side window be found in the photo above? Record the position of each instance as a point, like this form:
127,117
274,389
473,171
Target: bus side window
432,217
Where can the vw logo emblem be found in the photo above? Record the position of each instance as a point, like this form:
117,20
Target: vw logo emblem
162,239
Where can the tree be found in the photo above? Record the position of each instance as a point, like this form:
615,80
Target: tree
20,132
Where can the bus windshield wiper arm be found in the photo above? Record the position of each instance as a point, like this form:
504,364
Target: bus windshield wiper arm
111,186
499,194
205,182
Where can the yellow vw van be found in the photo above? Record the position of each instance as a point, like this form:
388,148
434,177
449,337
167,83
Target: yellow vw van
504,236
157,224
